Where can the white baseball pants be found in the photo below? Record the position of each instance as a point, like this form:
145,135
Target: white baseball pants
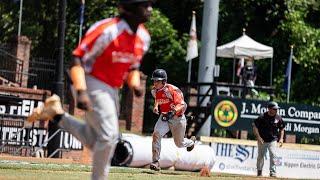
100,131
177,127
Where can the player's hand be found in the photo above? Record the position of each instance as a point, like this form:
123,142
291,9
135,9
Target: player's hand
156,110
280,142
260,140
83,101
138,91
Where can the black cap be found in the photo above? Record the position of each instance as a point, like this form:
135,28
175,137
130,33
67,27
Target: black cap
273,105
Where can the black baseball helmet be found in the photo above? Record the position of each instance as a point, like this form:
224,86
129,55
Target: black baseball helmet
159,75
133,1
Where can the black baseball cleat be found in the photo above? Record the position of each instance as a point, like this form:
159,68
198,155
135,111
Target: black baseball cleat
155,166
259,173
273,175
193,138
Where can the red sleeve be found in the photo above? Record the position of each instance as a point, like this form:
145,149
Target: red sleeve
177,96
86,44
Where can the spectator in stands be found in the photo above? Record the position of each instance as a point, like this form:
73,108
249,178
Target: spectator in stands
266,129
249,76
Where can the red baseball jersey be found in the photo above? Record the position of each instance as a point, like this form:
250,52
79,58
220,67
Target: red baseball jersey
168,97
110,48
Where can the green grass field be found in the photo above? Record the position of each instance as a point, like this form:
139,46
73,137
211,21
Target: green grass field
11,169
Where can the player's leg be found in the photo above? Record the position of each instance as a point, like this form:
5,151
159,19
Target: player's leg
260,159
160,129
78,128
272,152
104,120
178,130
52,110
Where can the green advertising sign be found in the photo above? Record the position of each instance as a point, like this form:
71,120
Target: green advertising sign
238,114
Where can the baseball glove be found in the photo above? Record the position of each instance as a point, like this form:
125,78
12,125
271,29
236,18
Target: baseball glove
168,116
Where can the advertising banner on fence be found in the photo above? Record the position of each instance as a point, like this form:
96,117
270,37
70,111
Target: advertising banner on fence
238,114
241,159
21,107
15,136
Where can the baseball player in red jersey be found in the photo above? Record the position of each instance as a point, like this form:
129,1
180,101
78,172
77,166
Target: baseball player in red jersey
170,100
110,52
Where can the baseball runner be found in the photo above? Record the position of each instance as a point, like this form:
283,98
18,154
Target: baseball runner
172,107
110,52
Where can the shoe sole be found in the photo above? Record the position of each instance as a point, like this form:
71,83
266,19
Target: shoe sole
154,168
193,138
39,113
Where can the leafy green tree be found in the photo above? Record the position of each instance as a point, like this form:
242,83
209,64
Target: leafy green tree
272,22
301,23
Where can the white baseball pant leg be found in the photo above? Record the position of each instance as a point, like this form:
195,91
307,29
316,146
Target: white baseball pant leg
262,150
178,130
177,127
100,131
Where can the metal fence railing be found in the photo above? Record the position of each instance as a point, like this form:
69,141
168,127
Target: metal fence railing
44,70
11,68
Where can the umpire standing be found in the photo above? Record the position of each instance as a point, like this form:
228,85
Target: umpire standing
266,129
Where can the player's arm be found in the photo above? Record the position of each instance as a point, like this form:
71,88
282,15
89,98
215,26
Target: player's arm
281,128
256,133
179,104
133,81
77,76
156,107
281,137
179,108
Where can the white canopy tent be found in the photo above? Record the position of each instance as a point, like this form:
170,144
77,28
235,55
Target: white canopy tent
244,47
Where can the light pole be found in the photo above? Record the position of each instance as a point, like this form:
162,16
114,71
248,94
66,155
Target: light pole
81,19
208,53
20,18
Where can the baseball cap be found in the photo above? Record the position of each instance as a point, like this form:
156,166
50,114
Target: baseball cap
273,105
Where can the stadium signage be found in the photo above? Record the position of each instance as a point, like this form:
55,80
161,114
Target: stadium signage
36,137
241,159
238,114
20,108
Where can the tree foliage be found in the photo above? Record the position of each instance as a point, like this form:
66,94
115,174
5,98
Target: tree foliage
301,23
277,23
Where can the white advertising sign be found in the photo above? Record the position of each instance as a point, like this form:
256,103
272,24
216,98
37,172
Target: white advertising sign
36,137
241,159
23,108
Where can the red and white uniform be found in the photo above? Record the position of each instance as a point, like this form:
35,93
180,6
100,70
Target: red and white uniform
168,97
110,48
108,51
